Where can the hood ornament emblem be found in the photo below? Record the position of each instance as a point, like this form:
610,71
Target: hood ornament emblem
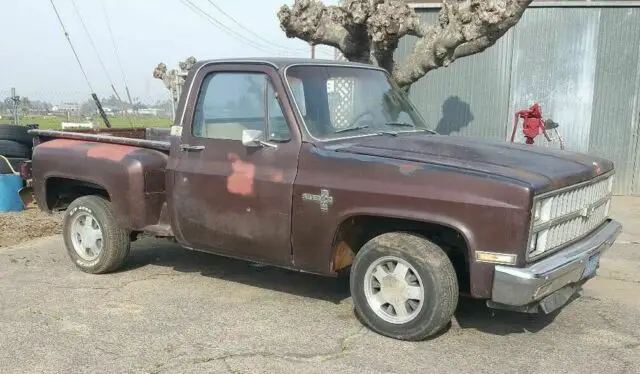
598,168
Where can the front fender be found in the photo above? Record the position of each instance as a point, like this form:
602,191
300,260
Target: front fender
420,216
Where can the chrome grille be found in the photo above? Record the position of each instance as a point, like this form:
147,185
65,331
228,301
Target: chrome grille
564,216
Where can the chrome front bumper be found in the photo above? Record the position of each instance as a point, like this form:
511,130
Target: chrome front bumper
519,287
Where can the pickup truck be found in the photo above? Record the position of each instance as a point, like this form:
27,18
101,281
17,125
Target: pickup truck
326,167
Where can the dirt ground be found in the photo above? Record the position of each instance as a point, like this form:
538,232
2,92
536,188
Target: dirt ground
32,223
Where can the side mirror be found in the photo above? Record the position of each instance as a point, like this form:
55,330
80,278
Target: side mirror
254,138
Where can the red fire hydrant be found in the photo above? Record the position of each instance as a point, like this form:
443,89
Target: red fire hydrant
532,124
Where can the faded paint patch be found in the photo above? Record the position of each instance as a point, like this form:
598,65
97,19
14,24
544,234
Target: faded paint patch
408,169
60,143
276,176
240,182
113,152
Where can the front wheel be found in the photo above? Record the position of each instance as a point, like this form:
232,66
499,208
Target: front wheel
94,242
403,286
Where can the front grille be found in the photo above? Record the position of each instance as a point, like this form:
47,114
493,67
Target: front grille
562,217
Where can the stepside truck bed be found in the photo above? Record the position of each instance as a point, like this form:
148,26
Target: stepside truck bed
152,138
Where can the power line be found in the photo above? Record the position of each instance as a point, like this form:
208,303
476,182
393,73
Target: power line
93,94
115,50
249,30
239,24
66,34
113,42
95,49
215,22
222,26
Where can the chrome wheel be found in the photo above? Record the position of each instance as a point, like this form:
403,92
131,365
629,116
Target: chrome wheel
86,236
394,290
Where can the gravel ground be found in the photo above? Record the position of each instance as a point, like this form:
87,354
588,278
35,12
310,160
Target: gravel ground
32,223
170,310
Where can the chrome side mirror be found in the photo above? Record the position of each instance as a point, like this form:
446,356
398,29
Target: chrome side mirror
254,138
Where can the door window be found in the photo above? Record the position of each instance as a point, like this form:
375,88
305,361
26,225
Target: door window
232,102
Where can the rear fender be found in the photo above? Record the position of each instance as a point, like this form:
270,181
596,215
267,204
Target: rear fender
132,177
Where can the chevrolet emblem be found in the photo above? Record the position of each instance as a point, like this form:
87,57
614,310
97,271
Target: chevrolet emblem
586,212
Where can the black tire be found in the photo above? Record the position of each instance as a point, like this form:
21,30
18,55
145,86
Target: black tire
10,148
436,273
13,161
115,244
17,134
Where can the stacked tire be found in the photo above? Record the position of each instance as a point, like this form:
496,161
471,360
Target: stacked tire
16,145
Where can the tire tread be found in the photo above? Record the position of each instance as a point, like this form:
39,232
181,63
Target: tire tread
16,133
116,242
427,253
11,148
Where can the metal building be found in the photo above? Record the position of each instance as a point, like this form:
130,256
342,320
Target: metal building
579,59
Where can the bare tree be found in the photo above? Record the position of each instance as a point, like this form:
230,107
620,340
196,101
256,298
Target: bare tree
369,31
174,79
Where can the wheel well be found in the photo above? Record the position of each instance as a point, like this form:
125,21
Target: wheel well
62,191
354,232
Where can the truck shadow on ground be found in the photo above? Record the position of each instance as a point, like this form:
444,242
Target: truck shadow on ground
471,314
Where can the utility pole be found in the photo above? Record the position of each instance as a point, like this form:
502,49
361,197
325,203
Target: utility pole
313,51
16,103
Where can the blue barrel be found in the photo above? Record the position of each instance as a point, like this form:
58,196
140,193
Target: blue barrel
10,185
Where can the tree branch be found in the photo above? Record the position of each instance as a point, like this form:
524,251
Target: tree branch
465,27
315,23
364,30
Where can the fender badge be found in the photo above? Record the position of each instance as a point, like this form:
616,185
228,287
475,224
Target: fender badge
324,199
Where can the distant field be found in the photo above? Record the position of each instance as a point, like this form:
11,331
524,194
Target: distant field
54,123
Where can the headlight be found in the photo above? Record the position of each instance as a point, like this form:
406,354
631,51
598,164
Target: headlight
536,211
533,243
542,211
541,214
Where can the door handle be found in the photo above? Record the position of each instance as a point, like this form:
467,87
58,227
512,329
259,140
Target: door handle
189,147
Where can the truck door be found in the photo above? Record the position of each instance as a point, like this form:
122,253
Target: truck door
227,197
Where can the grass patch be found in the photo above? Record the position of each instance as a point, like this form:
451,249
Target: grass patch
54,122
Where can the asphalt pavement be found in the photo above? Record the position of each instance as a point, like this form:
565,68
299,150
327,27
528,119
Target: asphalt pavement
174,310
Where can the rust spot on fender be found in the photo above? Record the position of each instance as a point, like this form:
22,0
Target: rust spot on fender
240,182
342,257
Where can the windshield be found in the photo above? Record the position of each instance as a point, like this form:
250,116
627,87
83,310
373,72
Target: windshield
337,102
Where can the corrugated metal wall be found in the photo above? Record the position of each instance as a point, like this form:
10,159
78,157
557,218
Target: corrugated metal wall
449,98
581,63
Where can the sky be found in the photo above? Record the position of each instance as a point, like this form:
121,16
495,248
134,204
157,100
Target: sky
38,61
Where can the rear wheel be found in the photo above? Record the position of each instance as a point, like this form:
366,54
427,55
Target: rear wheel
403,286
94,242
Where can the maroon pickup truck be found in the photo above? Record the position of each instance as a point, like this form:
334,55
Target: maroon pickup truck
326,167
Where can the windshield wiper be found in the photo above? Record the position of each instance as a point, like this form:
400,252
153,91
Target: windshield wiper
351,129
401,124
406,124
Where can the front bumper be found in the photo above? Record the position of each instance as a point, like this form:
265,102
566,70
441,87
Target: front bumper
558,273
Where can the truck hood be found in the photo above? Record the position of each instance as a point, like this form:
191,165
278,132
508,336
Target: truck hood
543,169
